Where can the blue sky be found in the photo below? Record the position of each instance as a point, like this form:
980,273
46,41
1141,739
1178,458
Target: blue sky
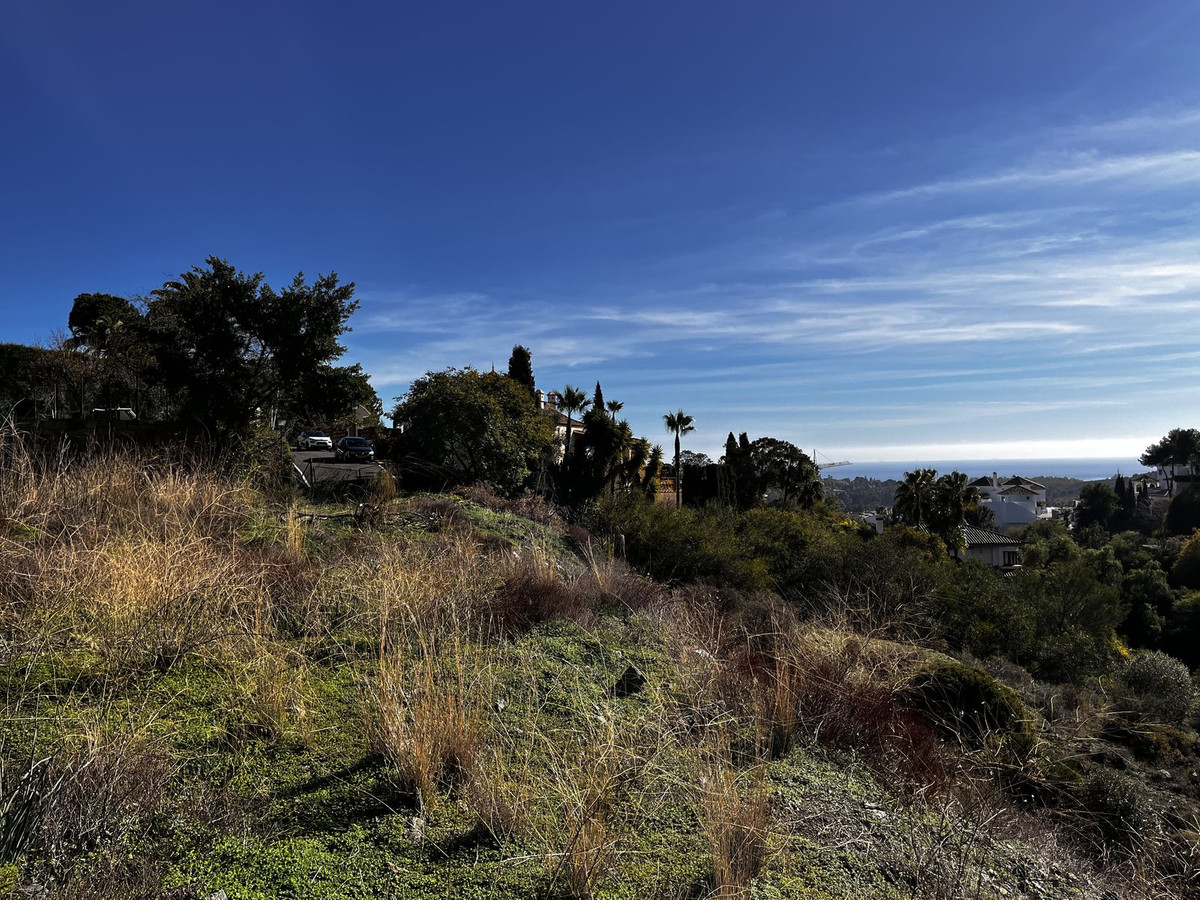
887,231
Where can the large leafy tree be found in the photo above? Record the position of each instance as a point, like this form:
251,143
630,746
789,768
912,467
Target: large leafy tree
785,466
1179,447
96,318
679,423
473,427
229,347
1097,504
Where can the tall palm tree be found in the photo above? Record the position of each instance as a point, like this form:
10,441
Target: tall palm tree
956,496
914,496
573,400
614,407
680,423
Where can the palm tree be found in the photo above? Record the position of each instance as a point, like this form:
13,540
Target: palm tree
914,496
653,466
614,407
573,400
957,496
680,423
950,498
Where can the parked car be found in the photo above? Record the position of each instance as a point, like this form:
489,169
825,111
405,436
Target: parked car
354,449
314,440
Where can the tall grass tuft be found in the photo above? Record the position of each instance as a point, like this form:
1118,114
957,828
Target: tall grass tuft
425,713
736,817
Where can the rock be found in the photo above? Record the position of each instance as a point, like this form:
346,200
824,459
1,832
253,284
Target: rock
1162,775
499,704
630,682
217,895
416,829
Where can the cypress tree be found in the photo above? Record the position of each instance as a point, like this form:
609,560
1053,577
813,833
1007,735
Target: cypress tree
520,368
598,399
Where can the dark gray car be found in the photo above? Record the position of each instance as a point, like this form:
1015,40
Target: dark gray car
354,449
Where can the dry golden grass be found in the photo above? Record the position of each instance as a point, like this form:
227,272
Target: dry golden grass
140,562
736,824
425,712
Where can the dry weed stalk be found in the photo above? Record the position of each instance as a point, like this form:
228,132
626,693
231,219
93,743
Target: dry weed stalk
427,710
588,787
736,816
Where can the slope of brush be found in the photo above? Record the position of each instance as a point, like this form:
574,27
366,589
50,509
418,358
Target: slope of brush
208,689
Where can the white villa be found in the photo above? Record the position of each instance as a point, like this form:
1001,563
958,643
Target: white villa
990,547
548,405
1015,502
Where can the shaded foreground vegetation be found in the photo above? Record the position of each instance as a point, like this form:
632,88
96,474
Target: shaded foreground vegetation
211,688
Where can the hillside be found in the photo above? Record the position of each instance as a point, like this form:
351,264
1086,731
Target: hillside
212,691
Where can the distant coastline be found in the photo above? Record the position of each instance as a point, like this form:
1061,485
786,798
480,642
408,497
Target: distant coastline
1083,469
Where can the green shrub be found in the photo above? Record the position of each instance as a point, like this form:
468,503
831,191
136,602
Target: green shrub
971,706
1160,685
1118,808
262,456
1163,745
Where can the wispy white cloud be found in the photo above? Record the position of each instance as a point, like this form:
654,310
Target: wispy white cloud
1176,167
1033,299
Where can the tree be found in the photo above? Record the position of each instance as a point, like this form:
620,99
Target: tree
94,317
1074,600
573,400
614,407
785,466
1179,447
649,483
473,427
600,460
598,399
745,489
229,347
952,496
679,423
915,496
1097,503
520,368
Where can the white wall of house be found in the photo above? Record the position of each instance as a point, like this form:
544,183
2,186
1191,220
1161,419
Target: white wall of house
993,555
1012,510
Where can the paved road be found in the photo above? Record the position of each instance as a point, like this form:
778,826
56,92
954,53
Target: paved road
321,467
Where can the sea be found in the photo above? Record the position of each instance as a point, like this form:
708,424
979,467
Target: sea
1083,469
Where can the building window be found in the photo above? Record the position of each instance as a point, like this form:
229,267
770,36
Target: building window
1010,558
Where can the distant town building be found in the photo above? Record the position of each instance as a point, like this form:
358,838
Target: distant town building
1014,502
